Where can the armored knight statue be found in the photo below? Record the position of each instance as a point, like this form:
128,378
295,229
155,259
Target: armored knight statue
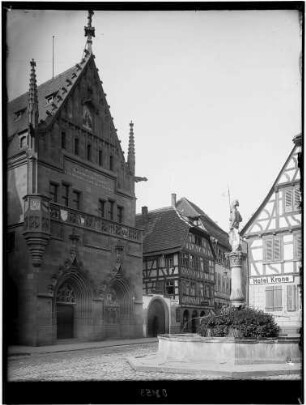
235,219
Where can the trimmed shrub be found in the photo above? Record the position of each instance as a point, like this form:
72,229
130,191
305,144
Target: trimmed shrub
239,322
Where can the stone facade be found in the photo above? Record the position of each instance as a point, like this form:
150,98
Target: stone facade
74,256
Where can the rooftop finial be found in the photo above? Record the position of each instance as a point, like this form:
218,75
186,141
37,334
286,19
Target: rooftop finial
89,31
33,97
131,152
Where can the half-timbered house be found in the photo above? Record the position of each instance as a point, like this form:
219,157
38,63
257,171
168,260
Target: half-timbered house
220,245
274,235
179,262
74,256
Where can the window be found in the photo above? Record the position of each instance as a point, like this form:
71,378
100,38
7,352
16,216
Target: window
291,198
53,191
50,98
76,199
111,163
76,146
201,289
206,265
63,140
274,298
89,151
198,240
19,114
23,142
185,259
272,249
297,246
160,287
192,261
111,210
100,158
192,289
169,260
120,214
292,298
201,263
65,195
170,290
101,208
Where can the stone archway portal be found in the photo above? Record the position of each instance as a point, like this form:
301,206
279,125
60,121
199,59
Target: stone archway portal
65,308
65,321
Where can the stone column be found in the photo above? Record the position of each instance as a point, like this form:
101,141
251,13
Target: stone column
237,298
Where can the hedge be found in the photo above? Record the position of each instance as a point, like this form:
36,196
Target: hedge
242,322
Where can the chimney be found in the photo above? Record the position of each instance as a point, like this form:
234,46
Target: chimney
173,200
144,211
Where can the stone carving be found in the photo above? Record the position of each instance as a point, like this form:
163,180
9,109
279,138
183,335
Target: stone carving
65,294
235,219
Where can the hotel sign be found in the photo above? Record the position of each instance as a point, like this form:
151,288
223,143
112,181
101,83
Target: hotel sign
271,280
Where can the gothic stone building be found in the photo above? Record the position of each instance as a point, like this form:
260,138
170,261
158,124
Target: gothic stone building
274,237
74,256
179,262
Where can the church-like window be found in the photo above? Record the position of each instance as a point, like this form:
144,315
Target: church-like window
89,151
100,157
76,146
63,140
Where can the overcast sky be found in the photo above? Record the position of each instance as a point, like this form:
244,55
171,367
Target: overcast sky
215,96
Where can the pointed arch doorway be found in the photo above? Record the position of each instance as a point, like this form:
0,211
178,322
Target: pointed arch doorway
65,308
73,305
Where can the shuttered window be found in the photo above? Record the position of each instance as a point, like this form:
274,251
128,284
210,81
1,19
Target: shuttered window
273,249
297,244
292,199
291,298
297,198
274,298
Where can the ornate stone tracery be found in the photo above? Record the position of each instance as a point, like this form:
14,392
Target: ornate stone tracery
66,294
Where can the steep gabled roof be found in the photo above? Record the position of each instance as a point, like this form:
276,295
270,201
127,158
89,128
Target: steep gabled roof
165,230
212,228
253,217
61,85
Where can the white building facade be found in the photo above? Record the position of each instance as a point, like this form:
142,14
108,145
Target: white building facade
274,238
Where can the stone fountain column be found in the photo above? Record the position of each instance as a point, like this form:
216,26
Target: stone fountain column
236,257
237,297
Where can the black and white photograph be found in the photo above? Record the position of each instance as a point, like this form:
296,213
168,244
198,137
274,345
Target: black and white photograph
152,202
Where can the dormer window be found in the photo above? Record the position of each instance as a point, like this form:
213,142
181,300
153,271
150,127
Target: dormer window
19,114
23,140
50,98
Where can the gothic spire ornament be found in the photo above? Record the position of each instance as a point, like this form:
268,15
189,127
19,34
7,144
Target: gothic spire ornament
89,31
131,152
33,97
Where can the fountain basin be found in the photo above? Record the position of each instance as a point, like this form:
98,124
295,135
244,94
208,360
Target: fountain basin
192,348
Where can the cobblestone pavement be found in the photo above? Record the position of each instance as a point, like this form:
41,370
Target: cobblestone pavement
103,364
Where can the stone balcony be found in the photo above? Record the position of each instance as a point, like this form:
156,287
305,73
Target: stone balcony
62,214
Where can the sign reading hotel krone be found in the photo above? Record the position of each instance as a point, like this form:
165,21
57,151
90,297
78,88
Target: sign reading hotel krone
271,280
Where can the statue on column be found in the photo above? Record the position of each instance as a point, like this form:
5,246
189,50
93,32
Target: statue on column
235,219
